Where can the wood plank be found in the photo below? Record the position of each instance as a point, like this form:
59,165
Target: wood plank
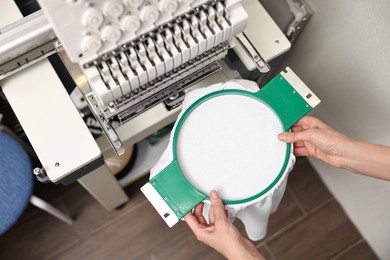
140,234
307,186
91,216
360,251
37,236
320,235
265,253
287,213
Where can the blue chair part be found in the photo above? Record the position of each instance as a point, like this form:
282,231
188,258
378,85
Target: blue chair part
16,181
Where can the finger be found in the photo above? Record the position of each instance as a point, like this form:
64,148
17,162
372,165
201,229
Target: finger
296,128
311,122
293,137
217,206
301,152
211,216
199,209
192,221
198,212
299,144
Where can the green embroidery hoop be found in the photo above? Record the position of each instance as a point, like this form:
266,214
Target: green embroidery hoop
285,95
206,98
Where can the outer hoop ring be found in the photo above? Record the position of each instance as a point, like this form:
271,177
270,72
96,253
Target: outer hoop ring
209,96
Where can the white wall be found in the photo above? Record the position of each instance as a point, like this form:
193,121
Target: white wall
344,56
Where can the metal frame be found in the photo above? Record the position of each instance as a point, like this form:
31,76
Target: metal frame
302,14
24,43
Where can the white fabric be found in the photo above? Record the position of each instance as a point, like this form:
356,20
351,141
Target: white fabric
229,142
255,213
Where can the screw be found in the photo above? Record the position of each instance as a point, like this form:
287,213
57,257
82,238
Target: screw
57,164
37,171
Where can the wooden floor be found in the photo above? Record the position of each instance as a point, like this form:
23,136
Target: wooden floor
309,224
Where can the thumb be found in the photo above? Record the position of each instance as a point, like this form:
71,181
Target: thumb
217,205
292,137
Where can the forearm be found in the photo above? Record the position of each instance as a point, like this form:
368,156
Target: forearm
368,159
247,255
243,250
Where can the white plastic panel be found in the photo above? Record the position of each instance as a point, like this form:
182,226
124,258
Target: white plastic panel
50,120
265,36
53,125
159,204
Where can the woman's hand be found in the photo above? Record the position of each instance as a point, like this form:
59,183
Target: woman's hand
311,137
219,233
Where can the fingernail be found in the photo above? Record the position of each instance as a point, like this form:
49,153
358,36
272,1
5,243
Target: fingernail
214,195
282,137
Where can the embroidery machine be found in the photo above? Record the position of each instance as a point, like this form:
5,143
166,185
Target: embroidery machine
132,61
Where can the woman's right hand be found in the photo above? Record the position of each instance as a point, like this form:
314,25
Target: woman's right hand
219,233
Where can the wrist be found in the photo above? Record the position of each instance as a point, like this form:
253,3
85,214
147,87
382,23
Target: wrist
350,153
368,159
